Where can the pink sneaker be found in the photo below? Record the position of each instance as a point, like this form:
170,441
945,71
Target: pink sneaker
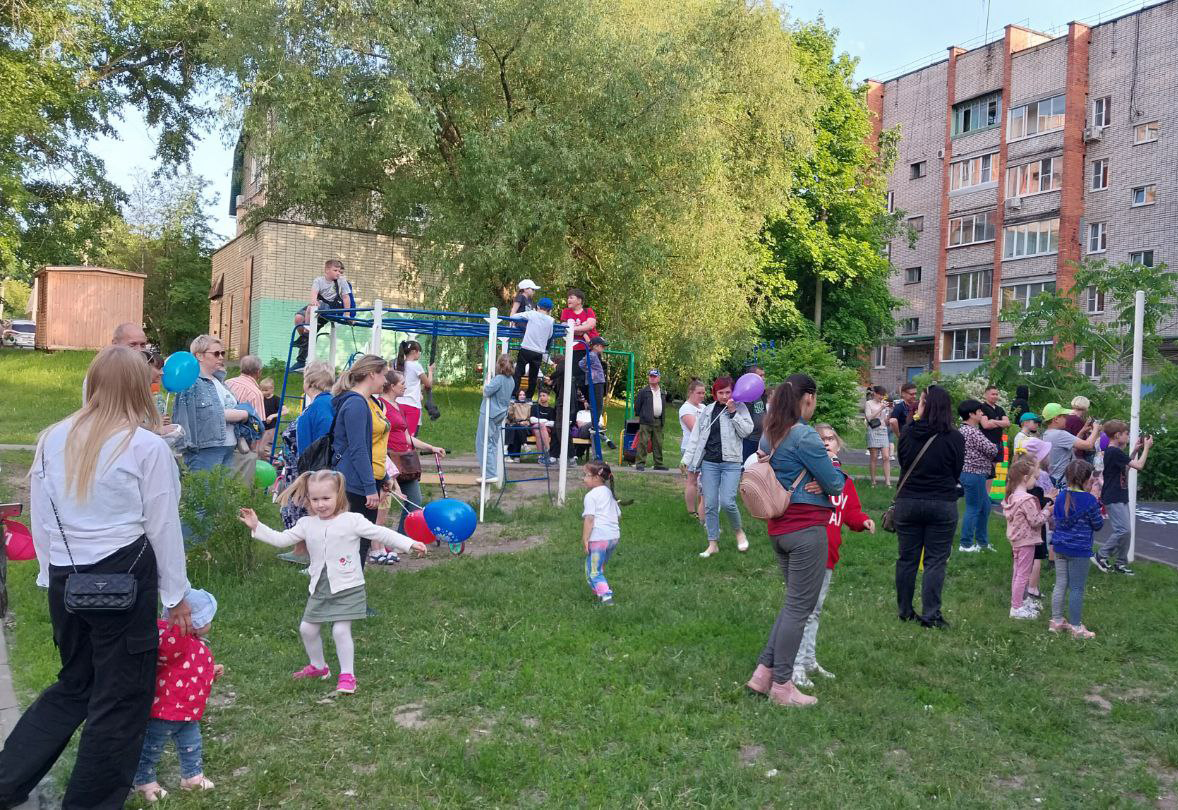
761,680
346,685
310,671
1080,631
1057,625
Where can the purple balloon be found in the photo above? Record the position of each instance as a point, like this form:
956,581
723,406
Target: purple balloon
748,388
1103,442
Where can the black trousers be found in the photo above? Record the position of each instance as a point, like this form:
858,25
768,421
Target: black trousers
356,504
923,526
528,360
107,680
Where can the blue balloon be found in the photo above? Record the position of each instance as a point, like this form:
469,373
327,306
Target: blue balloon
451,521
180,371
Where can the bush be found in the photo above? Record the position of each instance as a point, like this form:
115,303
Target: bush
221,545
838,385
971,385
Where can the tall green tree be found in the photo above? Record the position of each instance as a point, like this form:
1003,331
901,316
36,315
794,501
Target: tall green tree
826,270
631,149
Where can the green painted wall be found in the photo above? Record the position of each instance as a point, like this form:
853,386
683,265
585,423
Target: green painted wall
271,320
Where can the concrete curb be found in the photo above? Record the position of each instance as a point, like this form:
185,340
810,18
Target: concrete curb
10,712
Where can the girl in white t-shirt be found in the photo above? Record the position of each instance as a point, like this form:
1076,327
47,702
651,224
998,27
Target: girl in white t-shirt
600,534
416,379
689,413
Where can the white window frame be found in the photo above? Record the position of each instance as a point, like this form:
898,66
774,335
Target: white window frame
917,169
972,172
1032,114
1025,291
1030,356
1146,132
891,200
1143,254
978,107
904,330
1102,111
1090,368
1094,301
879,357
1019,176
1100,172
981,343
907,274
916,223
1046,231
1149,195
979,282
987,218
1097,237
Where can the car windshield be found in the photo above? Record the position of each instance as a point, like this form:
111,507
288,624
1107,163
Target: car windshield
24,327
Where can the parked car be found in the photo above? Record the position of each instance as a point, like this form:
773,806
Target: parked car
20,334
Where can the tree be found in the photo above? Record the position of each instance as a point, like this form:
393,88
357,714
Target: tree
67,69
826,269
630,149
838,385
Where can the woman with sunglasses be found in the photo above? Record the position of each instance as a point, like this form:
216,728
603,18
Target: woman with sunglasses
206,410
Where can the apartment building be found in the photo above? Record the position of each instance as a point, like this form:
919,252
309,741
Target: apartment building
1016,159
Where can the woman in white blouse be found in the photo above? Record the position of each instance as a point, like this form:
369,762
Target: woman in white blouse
106,482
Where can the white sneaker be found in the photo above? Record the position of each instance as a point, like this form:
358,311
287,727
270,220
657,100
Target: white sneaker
1031,606
817,669
742,542
511,460
967,549
800,678
1021,613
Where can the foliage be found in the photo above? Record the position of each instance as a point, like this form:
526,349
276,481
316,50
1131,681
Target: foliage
167,238
220,546
15,296
66,71
626,148
971,385
838,385
833,228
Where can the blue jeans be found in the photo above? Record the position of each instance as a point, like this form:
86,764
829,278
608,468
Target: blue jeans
492,443
209,457
188,746
1071,575
599,553
719,481
412,492
975,524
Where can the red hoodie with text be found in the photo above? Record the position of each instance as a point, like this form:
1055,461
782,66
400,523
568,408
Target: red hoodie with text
846,510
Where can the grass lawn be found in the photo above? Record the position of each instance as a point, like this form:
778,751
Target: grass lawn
498,682
37,389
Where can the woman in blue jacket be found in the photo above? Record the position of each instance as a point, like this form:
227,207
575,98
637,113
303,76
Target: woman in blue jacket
798,458
352,439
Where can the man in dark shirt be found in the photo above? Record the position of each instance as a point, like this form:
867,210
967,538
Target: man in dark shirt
995,421
902,411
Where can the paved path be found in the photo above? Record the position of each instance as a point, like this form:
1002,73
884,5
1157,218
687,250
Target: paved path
29,447
10,710
1157,532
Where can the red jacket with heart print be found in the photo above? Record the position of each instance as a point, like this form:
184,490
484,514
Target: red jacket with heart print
183,676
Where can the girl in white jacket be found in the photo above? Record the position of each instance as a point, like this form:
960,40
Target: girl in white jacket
332,535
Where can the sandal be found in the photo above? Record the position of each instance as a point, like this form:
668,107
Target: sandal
151,792
1080,631
198,782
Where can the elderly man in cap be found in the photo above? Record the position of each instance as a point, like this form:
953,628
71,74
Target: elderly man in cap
523,301
649,405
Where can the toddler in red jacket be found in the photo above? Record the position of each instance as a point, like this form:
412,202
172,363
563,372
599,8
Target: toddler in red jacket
847,511
185,671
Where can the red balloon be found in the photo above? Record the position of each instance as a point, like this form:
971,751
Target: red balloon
415,527
18,541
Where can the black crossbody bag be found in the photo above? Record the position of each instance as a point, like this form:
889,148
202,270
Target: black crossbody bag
96,593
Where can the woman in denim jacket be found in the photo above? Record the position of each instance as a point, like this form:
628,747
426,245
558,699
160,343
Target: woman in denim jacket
799,535
206,410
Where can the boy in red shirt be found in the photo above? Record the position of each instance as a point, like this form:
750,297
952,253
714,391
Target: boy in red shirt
584,329
184,676
846,511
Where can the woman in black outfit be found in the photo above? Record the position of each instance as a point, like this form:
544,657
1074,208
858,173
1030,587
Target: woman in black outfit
926,504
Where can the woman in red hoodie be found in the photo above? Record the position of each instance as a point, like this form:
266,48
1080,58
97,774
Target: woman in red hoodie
846,511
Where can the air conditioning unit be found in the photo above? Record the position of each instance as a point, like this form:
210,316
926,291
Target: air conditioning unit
1092,134
1014,203
940,154
240,200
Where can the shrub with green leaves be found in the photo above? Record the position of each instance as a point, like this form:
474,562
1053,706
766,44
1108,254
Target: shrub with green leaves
838,385
220,544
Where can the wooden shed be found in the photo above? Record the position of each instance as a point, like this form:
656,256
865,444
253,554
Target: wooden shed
79,307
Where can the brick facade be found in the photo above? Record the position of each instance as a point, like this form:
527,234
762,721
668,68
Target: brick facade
1129,60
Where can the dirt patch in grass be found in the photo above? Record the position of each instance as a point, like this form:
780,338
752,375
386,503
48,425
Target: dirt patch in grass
749,754
1167,777
1098,701
411,716
489,540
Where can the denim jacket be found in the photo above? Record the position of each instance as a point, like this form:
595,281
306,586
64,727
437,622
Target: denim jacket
199,411
802,449
733,428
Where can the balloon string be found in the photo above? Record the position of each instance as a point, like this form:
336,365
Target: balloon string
403,500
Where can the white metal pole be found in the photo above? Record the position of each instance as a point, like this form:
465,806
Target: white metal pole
1135,412
565,402
312,333
332,346
374,345
488,373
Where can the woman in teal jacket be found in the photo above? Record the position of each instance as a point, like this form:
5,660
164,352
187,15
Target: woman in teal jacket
496,398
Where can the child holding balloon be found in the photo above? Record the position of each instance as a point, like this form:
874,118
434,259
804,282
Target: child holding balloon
337,594
600,533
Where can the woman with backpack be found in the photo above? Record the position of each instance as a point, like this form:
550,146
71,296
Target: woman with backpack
798,536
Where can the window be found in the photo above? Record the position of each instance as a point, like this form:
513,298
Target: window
891,198
976,114
1022,295
973,285
1146,133
965,344
1030,357
916,170
1030,239
971,229
974,171
916,224
1097,237
1033,178
1145,195
1090,368
1102,111
880,357
1142,257
1093,301
912,275
1099,174
909,326
1036,118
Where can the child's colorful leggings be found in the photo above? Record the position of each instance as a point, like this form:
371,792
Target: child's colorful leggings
599,553
1024,558
1071,574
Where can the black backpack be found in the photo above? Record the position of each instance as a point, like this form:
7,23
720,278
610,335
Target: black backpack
321,454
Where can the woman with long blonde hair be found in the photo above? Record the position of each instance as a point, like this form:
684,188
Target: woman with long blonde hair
105,497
